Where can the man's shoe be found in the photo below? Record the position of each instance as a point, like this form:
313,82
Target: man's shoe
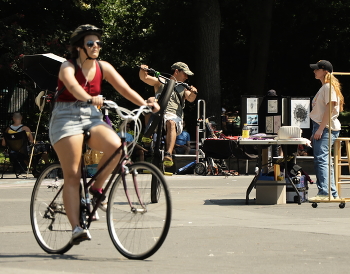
96,195
167,160
319,198
78,235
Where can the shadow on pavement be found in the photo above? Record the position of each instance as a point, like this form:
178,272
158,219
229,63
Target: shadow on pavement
226,202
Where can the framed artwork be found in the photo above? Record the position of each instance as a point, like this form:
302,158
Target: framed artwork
269,124
300,112
253,130
252,105
273,123
272,106
277,123
252,119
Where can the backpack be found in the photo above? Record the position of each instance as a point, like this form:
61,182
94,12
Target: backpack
52,97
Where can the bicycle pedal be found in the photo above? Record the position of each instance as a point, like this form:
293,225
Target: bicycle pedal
168,173
168,163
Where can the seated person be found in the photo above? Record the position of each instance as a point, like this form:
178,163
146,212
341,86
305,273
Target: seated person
138,151
182,143
17,126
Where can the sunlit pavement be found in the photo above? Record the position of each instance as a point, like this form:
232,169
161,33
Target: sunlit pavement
212,231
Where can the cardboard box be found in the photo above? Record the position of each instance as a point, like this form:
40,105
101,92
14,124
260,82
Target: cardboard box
270,192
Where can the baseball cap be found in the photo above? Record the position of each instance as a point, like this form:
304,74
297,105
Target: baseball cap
322,64
182,66
272,92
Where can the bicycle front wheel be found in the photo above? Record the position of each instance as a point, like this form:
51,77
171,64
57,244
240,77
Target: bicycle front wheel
49,221
137,226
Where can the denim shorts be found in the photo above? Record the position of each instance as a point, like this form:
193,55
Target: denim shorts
73,118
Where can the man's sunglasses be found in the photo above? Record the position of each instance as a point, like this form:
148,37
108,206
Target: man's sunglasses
90,43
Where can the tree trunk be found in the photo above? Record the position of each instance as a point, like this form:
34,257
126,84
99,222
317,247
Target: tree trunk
207,72
259,17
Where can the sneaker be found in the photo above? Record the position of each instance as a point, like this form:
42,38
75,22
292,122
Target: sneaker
319,198
79,234
95,217
96,195
335,197
167,160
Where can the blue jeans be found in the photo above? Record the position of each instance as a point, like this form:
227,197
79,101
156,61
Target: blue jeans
321,150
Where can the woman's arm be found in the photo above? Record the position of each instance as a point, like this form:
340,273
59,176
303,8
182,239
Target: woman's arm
118,82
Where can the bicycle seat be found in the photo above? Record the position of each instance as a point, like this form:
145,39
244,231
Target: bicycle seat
87,135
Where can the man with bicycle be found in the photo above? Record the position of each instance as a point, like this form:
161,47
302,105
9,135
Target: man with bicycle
173,115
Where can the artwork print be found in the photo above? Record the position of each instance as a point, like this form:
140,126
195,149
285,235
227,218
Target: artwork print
252,119
277,123
252,105
272,106
253,130
269,124
300,113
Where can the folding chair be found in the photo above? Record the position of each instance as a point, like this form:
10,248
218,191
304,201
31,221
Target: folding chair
17,144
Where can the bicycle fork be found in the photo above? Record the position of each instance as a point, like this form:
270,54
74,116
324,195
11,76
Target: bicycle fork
125,171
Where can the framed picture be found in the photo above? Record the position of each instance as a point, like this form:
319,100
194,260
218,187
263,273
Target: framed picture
277,123
252,105
272,106
300,112
269,124
252,119
253,130
273,123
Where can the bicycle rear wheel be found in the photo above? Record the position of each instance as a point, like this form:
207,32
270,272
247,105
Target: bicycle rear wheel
49,221
139,230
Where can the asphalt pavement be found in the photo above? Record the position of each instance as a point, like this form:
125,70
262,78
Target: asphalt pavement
212,231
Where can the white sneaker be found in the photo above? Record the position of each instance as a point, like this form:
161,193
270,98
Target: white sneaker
319,198
78,235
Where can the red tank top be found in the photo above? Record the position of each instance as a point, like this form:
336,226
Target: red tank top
93,87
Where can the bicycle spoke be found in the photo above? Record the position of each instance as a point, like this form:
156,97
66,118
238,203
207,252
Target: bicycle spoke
48,217
139,231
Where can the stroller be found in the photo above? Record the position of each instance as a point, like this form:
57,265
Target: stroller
216,151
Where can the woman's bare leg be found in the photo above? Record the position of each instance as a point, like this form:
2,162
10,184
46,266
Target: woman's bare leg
104,139
69,151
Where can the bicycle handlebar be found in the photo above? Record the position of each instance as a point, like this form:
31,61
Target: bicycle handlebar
132,115
158,75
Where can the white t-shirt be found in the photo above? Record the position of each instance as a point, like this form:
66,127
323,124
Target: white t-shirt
319,104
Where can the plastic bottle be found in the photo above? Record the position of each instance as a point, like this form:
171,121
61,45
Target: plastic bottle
186,167
245,132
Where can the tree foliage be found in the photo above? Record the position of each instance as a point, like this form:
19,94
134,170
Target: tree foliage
262,46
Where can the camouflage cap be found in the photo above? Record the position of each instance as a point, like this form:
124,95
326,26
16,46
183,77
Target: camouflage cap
182,66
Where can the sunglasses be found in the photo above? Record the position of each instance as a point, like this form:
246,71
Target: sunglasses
90,43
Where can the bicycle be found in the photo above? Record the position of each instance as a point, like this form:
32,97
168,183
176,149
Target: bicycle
138,207
156,119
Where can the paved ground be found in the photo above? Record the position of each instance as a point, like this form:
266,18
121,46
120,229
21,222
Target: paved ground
212,231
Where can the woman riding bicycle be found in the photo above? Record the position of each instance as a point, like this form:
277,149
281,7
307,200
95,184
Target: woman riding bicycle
76,112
